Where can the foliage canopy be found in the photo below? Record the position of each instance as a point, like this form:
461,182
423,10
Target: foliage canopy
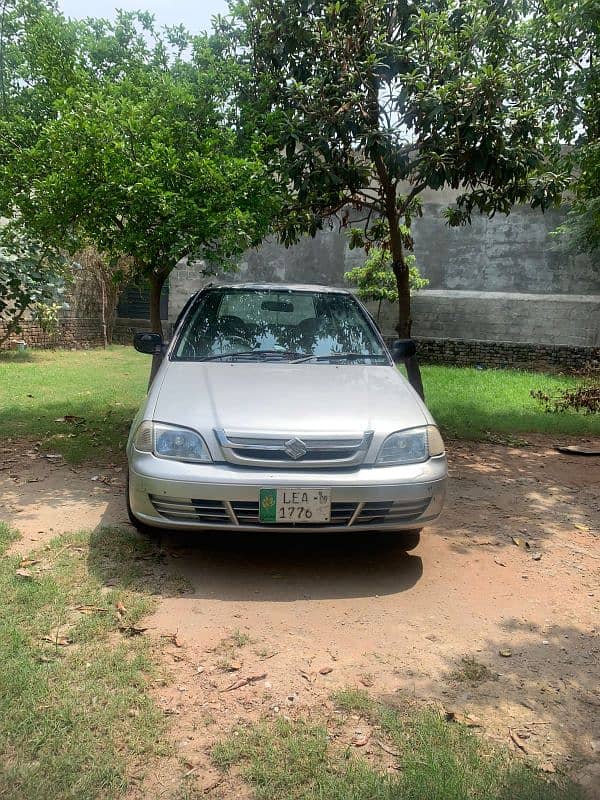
368,103
123,136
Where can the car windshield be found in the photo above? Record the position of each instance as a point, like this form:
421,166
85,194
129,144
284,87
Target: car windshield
231,324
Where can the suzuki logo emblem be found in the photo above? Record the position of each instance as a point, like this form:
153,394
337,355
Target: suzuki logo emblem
295,448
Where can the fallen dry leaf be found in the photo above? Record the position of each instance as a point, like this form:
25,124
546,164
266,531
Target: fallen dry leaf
307,676
132,630
173,638
387,749
520,542
91,609
236,685
325,670
581,527
547,766
175,655
28,562
360,739
244,682
25,574
59,641
366,681
255,678
518,744
505,653
213,784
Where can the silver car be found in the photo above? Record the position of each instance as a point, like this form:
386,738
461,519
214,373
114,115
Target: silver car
279,407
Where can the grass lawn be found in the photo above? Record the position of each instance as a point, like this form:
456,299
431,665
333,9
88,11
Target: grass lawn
76,720
99,391
432,759
472,404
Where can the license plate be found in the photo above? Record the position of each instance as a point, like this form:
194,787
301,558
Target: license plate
295,505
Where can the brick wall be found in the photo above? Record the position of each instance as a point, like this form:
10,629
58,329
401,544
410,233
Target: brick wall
126,328
72,333
516,355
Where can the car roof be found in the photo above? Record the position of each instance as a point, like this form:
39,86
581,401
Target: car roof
280,287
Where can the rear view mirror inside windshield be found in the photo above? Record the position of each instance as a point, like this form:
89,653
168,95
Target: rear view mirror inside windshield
277,305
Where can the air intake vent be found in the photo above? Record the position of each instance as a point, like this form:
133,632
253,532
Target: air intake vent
178,509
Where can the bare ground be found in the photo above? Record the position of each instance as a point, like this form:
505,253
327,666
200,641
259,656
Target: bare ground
311,614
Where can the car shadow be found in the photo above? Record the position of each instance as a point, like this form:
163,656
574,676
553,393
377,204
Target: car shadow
260,567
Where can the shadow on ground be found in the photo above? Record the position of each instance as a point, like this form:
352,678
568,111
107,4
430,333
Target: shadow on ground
542,701
262,567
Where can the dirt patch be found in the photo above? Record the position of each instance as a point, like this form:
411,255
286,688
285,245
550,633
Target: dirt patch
42,496
508,579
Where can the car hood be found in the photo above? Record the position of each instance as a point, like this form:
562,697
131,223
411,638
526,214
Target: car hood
287,398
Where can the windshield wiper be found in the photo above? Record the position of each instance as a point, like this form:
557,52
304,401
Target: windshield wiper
258,353
336,356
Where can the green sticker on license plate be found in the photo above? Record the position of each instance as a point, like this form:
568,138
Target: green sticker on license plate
268,505
295,505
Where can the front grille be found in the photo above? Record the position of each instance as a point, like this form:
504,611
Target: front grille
247,514
280,455
378,513
343,515
250,449
213,512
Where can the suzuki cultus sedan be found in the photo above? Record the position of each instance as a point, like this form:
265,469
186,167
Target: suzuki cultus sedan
280,408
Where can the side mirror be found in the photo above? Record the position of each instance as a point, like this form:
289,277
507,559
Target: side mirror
149,343
403,349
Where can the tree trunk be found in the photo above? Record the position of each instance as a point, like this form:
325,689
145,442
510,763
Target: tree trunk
404,325
103,311
157,281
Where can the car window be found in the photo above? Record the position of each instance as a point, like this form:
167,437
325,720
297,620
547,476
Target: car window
269,307
285,324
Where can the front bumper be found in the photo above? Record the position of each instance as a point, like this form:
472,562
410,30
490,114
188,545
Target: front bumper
178,496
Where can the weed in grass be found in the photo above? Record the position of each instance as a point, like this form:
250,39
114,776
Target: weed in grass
472,671
358,701
74,719
239,639
227,649
285,760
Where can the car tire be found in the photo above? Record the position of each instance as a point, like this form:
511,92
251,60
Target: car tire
403,540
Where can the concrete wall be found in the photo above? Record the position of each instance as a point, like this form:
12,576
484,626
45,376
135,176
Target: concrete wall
504,279
572,320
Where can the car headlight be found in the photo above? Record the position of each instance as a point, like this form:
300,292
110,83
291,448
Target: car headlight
170,441
411,446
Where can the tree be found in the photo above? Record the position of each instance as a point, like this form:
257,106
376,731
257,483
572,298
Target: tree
132,148
370,102
375,279
561,38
